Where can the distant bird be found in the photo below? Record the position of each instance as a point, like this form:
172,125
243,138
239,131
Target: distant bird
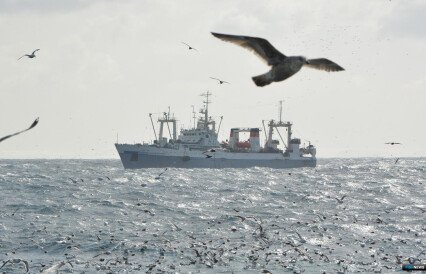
220,81
340,201
13,214
189,47
55,268
32,55
158,177
282,66
208,156
396,161
393,143
16,261
300,237
209,150
19,132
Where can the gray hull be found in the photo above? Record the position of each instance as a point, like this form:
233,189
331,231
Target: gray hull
133,160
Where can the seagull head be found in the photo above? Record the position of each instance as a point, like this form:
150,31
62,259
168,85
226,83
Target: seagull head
303,59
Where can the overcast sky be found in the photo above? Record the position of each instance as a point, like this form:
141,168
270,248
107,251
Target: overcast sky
104,65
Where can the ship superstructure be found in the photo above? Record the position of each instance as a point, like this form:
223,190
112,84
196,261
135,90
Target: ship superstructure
198,147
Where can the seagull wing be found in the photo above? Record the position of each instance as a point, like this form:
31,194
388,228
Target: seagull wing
4,264
27,267
35,51
189,46
323,64
8,136
261,47
22,56
33,124
19,132
214,78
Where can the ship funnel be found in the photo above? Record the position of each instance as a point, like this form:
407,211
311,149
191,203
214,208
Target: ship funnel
254,140
234,138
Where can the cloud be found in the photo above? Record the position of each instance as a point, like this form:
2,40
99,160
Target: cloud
406,20
12,6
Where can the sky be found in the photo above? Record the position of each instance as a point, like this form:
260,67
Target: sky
103,66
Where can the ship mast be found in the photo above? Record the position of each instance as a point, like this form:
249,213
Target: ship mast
206,111
193,115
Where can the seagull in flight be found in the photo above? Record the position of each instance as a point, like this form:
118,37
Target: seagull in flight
19,132
282,66
393,143
189,47
16,261
209,150
220,81
32,55
158,177
340,201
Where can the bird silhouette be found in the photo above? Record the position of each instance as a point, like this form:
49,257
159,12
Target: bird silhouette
393,143
16,261
189,47
340,201
282,66
220,81
32,55
159,175
209,150
19,132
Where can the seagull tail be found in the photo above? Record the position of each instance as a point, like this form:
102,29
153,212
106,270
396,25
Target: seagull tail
262,80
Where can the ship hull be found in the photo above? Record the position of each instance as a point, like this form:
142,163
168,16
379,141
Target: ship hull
141,156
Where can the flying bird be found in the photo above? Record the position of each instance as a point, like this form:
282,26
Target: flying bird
19,132
396,161
393,143
282,66
208,156
158,177
16,261
209,150
32,55
340,201
189,47
220,81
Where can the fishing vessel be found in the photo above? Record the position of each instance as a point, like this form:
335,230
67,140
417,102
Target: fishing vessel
198,146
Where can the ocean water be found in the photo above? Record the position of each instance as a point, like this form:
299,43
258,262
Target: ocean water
92,216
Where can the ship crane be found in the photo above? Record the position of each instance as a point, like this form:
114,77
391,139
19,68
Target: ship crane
270,143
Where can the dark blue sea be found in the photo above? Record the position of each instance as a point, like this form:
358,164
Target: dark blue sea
91,216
